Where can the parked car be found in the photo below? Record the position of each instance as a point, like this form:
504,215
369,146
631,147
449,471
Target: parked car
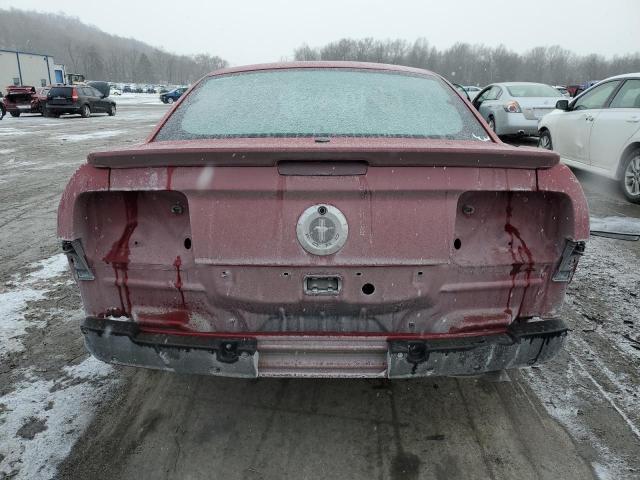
22,99
172,95
151,90
3,109
79,99
599,131
472,91
127,89
328,219
515,108
116,92
563,90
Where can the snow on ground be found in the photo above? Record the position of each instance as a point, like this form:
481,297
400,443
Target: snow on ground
81,137
40,419
133,98
44,418
13,301
594,378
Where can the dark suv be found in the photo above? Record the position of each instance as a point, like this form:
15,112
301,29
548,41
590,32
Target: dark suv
81,99
173,95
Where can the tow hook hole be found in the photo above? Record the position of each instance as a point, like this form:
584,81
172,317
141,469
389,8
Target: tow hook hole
285,274
457,243
358,274
187,243
420,273
368,289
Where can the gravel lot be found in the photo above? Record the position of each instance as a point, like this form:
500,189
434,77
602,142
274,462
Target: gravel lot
65,415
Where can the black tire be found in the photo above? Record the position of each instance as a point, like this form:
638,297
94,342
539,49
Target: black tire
630,178
170,100
85,111
112,110
544,140
492,123
15,114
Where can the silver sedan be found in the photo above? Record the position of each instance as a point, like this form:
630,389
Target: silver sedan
514,108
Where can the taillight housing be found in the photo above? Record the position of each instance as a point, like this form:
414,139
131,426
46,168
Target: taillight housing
74,94
512,107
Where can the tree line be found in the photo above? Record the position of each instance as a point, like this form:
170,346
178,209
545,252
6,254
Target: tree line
98,55
478,64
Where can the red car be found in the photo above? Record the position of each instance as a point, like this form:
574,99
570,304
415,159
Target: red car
25,99
323,219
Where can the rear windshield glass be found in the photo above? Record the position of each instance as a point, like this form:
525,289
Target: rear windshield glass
533,90
322,102
60,92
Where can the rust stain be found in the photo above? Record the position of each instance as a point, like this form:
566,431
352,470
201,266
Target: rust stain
170,171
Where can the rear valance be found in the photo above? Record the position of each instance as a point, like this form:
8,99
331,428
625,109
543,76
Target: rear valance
374,151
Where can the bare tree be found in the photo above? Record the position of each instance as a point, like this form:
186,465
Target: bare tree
477,64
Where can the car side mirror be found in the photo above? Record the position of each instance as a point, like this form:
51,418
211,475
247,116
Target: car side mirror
562,105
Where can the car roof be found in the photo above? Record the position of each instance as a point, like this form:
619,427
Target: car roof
322,64
513,84
624,75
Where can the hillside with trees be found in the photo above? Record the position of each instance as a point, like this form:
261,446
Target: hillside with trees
98,55
478,64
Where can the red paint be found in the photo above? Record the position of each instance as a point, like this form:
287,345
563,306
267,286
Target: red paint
170,171
118,256
178,283
519,260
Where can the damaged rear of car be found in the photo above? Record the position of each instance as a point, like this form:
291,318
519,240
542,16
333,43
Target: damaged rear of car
22,99
323,219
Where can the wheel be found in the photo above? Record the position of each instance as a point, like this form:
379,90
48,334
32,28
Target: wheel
492,124
112,110
85,111
169,100
631,176
544,140
15,114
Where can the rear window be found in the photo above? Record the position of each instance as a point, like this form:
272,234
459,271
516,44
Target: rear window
533,90
322,102
60,92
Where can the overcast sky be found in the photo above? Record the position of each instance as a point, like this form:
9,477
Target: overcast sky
251,31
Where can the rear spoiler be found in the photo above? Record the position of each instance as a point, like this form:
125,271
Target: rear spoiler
373,151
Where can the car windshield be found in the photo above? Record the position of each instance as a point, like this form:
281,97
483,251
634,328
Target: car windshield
322,102
533,90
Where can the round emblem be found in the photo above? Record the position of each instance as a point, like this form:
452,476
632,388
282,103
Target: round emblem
322,229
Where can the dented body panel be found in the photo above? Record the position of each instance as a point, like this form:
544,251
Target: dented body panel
446,240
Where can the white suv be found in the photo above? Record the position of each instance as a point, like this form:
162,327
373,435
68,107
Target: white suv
599,131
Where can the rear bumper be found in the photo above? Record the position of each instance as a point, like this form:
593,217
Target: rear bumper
22,108
63,108
521,345
517,124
